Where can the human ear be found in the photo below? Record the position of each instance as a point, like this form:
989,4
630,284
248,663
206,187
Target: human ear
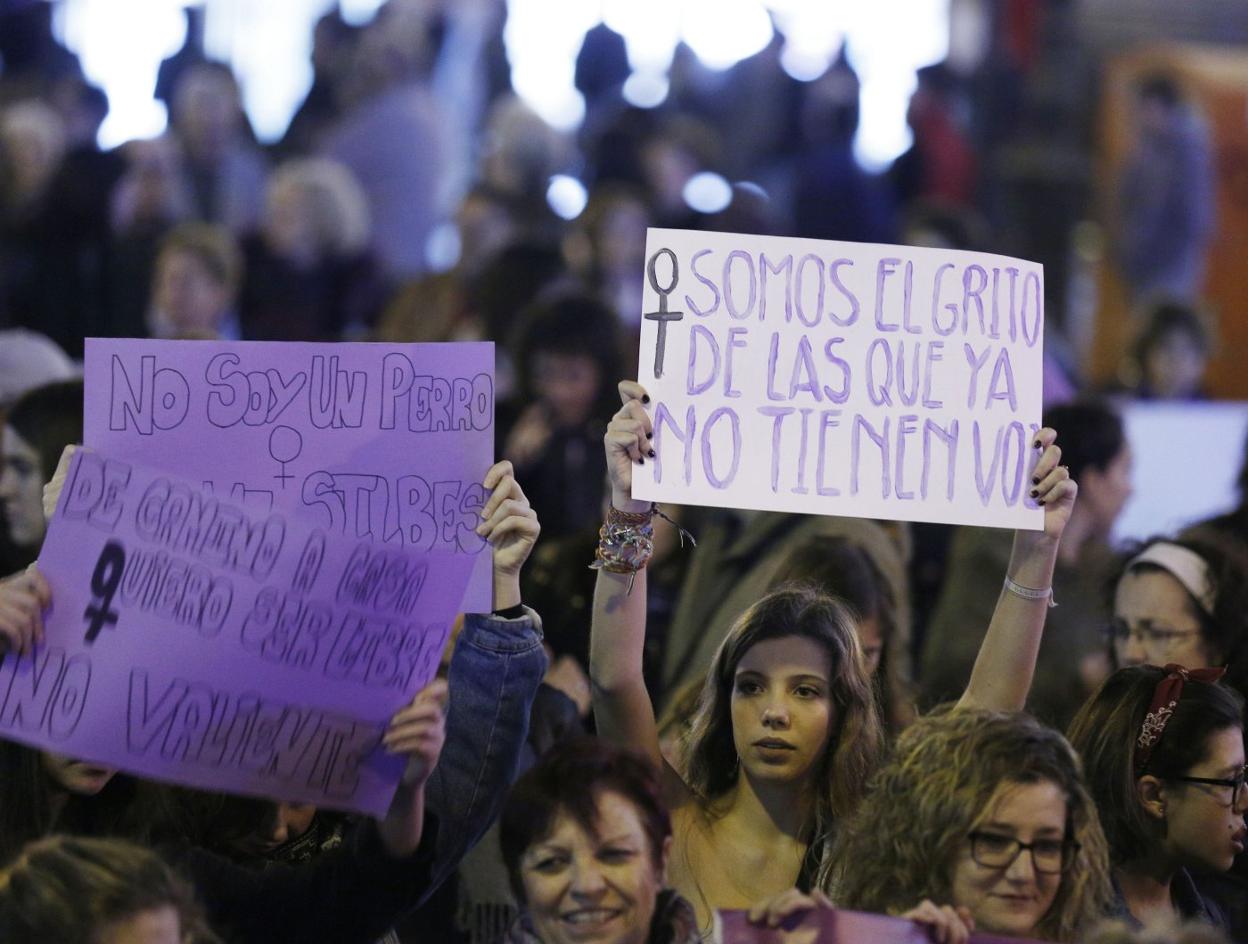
1152,796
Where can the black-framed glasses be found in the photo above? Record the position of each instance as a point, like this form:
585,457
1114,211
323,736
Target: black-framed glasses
997,851
1236,784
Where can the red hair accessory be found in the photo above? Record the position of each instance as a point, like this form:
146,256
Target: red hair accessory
1165,699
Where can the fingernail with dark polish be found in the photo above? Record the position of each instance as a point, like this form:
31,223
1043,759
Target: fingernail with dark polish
645,398
649,435
1035,480
651,453
641,461
1034,493
1037,444
1040,502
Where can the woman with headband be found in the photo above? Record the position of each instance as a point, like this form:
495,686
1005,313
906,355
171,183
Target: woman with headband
1183,600
1163,755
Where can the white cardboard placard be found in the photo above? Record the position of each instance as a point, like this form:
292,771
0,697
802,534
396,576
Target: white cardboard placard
841,378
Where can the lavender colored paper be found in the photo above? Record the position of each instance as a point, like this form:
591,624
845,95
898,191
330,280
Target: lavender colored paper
199,642
836,378
835,926
386,441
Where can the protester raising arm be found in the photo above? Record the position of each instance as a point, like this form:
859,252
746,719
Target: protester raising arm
1006,661
495,672
622,708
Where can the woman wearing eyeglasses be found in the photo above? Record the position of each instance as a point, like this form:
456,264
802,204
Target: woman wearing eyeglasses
1163,751
1183,600
980,821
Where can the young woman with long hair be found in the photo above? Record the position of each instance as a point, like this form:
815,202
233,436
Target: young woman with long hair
787,732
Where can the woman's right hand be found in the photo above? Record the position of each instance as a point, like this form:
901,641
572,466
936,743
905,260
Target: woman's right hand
944,923
23,598
628,441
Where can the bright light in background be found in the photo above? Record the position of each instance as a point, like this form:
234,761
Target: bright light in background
359,12
567,196
813,36
651,30
122,42
122,55
646,89
886,60
269,46
707,192
542,39
723,32
542,44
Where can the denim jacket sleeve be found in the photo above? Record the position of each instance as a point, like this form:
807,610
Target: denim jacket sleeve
495,671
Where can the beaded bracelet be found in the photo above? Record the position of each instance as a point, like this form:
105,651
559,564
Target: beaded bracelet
625,541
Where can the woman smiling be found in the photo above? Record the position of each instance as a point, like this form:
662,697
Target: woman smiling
586,840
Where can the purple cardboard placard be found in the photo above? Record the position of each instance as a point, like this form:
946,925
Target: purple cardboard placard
835,926
204,643
381,441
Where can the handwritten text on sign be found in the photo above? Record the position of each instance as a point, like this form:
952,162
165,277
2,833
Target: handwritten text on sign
209,644
377,441
841,378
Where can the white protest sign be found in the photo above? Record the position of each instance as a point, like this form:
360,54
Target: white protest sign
841,378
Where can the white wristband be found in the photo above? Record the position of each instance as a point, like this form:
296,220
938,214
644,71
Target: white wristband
1029,593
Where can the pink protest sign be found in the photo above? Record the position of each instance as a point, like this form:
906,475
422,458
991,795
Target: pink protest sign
387,442
208,644
835,926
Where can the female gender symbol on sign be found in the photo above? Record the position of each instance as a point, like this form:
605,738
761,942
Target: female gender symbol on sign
662,316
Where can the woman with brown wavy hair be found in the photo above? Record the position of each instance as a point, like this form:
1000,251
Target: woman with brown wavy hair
96,891
986,812
787,730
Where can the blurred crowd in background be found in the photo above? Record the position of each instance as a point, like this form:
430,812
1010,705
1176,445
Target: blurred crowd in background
400,208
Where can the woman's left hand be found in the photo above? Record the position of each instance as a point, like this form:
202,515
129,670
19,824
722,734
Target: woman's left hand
1051,486
509,522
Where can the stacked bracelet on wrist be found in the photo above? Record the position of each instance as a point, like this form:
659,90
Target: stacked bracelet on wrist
625,541
1029,593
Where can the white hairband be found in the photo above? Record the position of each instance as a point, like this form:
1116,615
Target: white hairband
1185,566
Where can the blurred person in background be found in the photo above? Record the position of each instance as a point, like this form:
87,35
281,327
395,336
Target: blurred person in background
32,145
97,891
390,135
1071,659
606,247
1170,355
567,359
436,307
38,427
224,170
1165,201
333,48
310,272
151,198
195,284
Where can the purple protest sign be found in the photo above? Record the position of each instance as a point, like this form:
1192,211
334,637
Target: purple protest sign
835,926
381,441
204,643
